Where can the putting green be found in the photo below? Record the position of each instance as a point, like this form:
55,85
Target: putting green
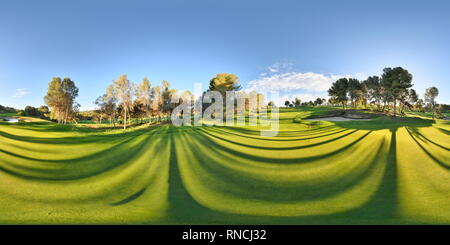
383,171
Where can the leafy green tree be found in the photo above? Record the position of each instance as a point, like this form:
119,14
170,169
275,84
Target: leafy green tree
166,97
224,82
144,96
138,112
430,97
338,91
53,98
413,96
287,103
111,104
297,102
6,109
124,91
318,101
364,95
60,97
31,111
333,102
157,101
44,111
419,105
107,104
70,92
101,102
408,98
396,81
403,99
354,90
374,90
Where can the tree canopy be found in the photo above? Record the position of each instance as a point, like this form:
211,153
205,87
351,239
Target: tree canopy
223,82
338,91
395,82
61,95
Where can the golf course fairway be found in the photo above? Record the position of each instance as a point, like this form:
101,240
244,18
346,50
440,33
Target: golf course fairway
380,171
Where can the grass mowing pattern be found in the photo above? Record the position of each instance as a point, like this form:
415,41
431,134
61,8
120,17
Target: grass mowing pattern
383,171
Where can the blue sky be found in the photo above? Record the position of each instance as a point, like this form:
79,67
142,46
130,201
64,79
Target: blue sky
300,45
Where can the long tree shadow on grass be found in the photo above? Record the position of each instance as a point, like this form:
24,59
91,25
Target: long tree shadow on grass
380,209
208,141
298,137
416,136
183,208
382,206
283,148
93,137
247,186
121,152
280,135
414,131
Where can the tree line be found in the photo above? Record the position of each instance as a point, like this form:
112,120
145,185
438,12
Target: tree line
297,102
124,100
390,91
41,112
127,100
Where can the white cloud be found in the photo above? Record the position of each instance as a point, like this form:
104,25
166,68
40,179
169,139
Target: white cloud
21,92
290,81
289,84
360,76
273,68
279,67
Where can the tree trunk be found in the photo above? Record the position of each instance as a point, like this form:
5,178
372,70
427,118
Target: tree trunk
432,110
125,119
66,116
395,106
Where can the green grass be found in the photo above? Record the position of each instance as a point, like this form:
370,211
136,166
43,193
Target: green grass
383,171
426,114
8,114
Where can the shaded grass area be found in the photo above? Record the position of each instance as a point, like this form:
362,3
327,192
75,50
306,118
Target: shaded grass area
382,171
8,114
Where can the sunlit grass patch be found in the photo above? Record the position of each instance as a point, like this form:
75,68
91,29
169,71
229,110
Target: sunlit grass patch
382,171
